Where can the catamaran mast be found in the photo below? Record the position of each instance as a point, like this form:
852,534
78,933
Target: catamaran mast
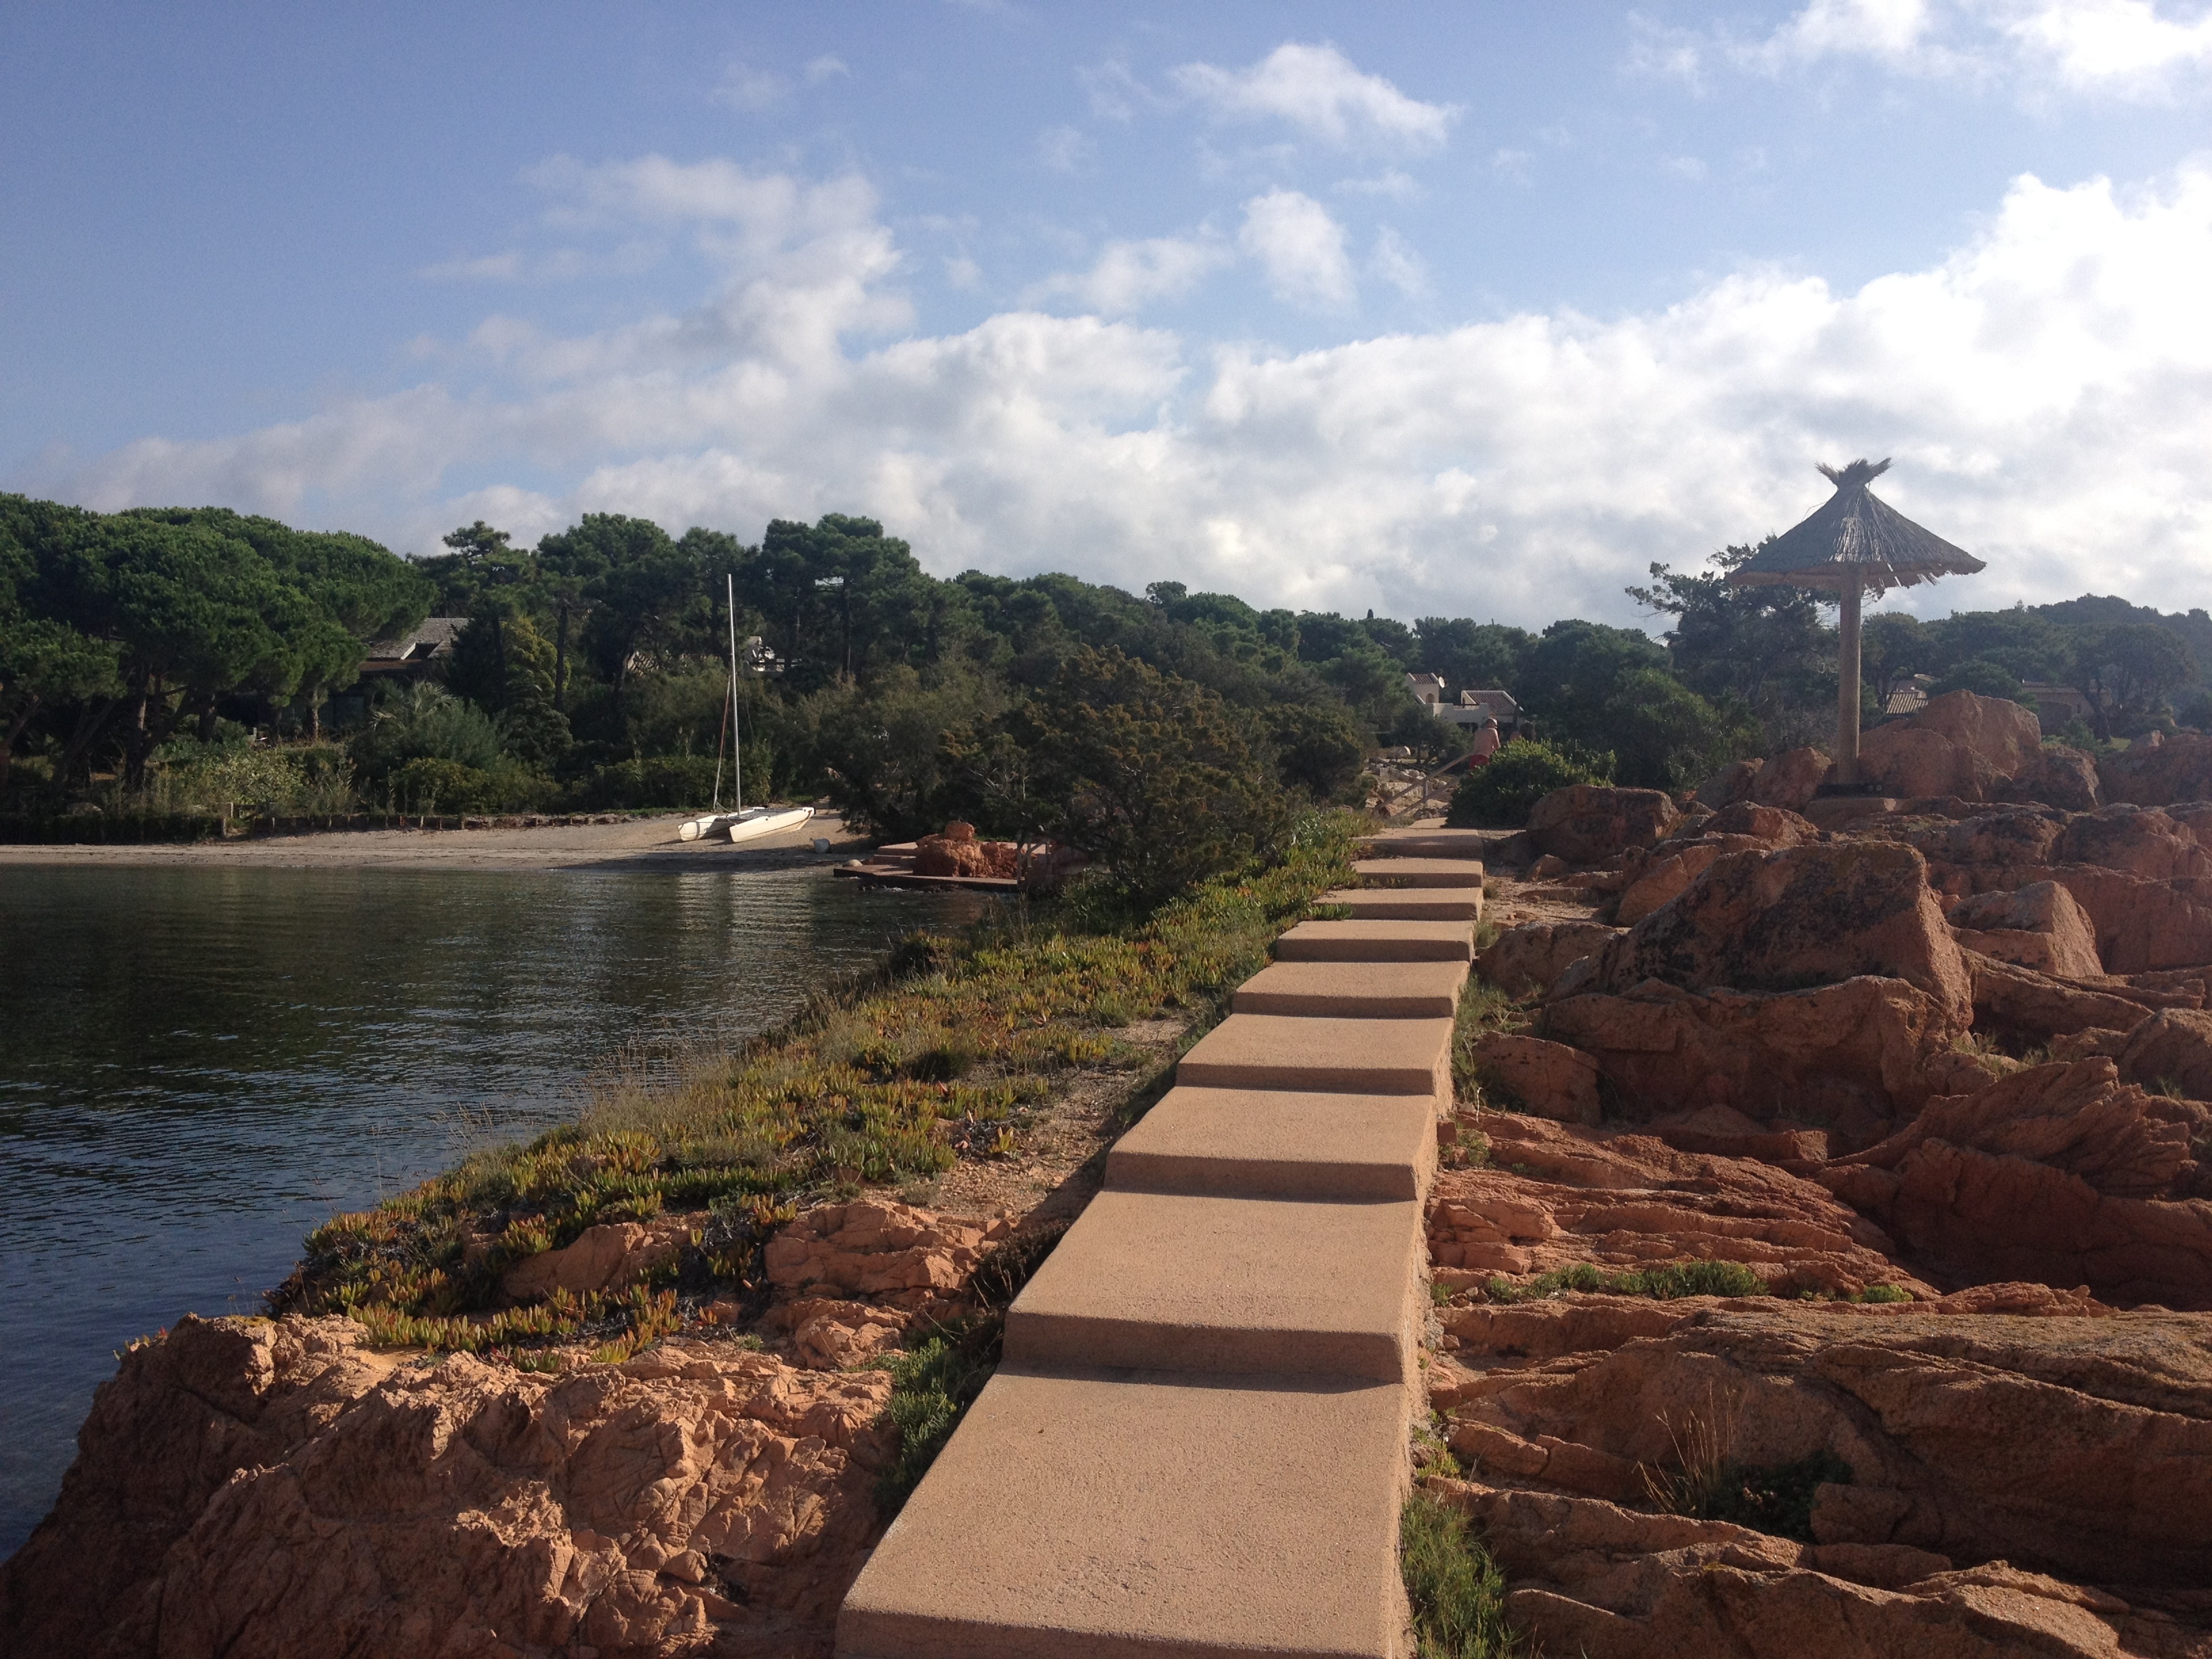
737,726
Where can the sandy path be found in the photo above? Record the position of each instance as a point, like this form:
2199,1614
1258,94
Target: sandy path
647,843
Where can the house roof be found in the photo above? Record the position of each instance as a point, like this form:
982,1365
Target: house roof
1854,537
430,637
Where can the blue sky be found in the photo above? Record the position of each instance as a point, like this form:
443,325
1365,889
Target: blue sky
1475,309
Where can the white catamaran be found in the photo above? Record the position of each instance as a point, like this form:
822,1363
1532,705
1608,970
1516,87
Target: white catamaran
742,822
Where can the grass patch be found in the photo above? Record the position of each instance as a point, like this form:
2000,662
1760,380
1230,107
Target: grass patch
1707,1482
934,1383
1458,1594
939,1056
1662,1283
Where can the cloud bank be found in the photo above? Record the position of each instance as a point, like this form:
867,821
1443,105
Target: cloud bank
2046,390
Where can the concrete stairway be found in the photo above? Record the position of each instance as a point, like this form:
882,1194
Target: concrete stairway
1195,1445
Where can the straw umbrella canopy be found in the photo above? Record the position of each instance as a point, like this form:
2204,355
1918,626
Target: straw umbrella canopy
1855,544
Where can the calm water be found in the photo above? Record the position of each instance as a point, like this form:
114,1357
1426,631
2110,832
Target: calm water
198,1066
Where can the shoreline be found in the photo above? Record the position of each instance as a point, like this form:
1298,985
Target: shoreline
635,844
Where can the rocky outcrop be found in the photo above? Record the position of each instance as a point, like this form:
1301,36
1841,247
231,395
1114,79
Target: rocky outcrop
943,855
2059,776
1848,1056
2177,769
603,1258
2027,1008
1789,779
1807,916
1625,1200
2061,1173
2143,841
875,1247
1548,1078
2171,1050
1587,823
1994,1484
2039,926
1531,958
252,1488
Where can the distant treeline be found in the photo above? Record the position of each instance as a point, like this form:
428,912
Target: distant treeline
137,649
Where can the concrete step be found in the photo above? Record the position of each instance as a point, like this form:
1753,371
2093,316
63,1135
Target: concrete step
1418,873
1327,1056
1377,941
1240,1285
1354,990
1409,903
1425,844
1147,1517
1280,1143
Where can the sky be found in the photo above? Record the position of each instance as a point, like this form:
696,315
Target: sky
1473,309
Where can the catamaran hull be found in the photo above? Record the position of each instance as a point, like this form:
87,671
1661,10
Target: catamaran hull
759,821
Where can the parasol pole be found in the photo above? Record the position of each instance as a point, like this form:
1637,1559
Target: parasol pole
1847,686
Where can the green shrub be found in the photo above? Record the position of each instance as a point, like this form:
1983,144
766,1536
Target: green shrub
428,785
932,1388
1458,1594
1519,776
673,780
1772,1497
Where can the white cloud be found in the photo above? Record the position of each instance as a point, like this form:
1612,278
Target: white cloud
2124,45
1397,263
1066,149
826,68
1131,275
1319,89
1300,247
2123,49
752,90
2046,390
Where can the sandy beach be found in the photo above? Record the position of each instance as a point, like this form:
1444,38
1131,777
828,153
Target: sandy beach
637,844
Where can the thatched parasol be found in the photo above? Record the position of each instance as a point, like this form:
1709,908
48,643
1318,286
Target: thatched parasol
1854,544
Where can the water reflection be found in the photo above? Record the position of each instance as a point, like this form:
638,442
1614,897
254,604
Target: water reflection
197,1066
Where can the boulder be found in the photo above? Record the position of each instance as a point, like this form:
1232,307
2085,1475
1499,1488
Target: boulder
1777,824
606,1257
1731,784
2060,1174
874,1250
1664,877
1532,956
1789,778
2059,776
2177,769
2170,1050
2039,926
249,1488
1901,760
2143,841
1960,745
1549,1079
2019,836
2001,736
1846,1057
1587,823
1806,916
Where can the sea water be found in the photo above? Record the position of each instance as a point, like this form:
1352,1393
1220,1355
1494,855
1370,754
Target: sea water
199,1065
